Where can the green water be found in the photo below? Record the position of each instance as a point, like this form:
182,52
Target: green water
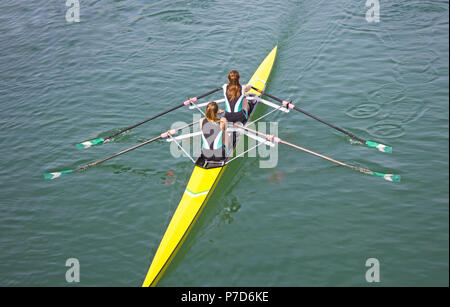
306,222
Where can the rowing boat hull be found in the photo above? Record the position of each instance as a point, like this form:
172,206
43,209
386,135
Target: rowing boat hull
199,190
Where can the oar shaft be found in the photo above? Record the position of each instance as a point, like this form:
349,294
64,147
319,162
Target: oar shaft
312,116
297,147
267,94
163,135
190,101
163,113
331,125
278,140
143,122
118,154
360,169
314,153
209,93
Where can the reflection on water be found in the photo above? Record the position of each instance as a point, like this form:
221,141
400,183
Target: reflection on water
232,206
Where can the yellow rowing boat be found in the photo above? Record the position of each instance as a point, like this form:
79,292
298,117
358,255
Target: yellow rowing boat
199,189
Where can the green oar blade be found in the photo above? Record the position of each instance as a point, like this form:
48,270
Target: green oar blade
56,174
388,177
90,143
380,147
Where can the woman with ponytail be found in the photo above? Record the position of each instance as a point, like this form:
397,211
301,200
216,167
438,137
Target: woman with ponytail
237,107
214,136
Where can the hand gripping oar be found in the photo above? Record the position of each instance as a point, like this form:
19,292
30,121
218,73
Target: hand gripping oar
290,105
99,141
271,138
163,135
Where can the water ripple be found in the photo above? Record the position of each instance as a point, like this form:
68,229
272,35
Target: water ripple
386,129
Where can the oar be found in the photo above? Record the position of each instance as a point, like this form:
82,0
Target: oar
290,105
271,138
163,135
99,141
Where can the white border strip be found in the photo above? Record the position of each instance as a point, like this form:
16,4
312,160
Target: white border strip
197,194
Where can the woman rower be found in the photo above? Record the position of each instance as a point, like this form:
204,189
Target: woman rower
237,107
214,136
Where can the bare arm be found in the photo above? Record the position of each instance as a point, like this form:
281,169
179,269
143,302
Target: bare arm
223,126
246,88
245,105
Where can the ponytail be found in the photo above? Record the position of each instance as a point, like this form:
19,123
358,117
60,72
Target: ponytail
234,87
211,111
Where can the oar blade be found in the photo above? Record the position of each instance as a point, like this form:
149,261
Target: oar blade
55,175
379,146
388,177
90,143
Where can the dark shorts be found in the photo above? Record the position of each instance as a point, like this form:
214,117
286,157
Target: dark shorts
236,117
214,155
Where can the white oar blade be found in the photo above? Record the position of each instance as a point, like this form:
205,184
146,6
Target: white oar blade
90,143
55,175
380,147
